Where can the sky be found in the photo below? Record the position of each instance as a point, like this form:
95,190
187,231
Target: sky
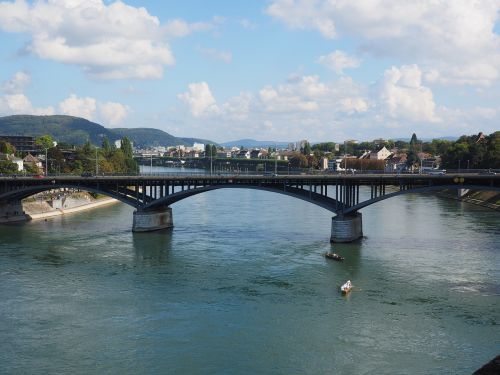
282,70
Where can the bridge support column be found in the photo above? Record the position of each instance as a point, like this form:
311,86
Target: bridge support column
347,228
147,221
12,211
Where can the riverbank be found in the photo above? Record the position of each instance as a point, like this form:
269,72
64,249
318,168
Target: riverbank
61,203
488,199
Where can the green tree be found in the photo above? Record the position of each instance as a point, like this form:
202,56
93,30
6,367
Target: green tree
6,147
44,142
106,147
126,147
307,149
7,167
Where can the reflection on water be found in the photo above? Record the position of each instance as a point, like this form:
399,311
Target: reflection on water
152,249
240,285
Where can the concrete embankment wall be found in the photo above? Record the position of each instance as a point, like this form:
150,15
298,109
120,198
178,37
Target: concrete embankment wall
489,199
35,210
44,207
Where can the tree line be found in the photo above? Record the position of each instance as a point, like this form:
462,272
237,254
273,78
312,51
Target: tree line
70,159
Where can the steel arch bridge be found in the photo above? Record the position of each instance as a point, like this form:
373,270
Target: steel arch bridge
339,194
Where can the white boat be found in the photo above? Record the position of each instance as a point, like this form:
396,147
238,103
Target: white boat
346,288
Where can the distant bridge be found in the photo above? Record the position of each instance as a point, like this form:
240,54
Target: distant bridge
340,194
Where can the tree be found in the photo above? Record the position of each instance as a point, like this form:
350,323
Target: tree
106,147
6,147
126,147
307,149
44,142
7,167
414,143
210,150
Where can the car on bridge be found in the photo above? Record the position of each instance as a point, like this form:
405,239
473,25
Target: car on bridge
437,172
86,174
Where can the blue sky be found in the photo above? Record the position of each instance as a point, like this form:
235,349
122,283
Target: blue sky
271,70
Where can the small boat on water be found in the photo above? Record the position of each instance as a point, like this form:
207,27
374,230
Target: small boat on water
346,288
334,256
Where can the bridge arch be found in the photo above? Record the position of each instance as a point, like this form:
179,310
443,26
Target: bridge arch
419,190
308,196
32,190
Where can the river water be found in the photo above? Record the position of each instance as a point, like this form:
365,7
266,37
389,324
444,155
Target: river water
240,286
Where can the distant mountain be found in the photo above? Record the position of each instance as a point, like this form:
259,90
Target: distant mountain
77,131
253,143
191,141
148,137
74,130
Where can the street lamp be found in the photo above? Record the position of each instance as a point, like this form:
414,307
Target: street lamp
96,162
275,159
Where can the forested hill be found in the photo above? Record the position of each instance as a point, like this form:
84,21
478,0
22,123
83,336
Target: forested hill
69,129
76,130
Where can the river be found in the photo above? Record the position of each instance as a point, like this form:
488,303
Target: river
239,286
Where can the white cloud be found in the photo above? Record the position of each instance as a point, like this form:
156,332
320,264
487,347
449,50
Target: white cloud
19,104
14,101
338,61
17,83
402,96
200,100
112,113
112,41
454,38
78,107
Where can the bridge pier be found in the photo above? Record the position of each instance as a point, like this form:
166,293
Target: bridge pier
12,211
347,228
150,220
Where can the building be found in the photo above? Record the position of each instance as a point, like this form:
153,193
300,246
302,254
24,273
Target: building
243,154
224,154
323,163
21,143
198,147
33,162
381,154
395,163
13,159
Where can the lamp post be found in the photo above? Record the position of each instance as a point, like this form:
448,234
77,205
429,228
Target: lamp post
345,158
96,162
275,159
211,148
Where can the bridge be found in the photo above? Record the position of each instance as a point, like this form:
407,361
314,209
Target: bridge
153,195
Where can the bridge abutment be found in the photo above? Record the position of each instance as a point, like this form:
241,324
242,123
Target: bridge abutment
347,228
150,220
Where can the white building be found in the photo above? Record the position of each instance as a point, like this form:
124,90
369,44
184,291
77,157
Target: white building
198,147
381,154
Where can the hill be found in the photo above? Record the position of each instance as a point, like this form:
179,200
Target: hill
69,129
77,131
253,143
147,137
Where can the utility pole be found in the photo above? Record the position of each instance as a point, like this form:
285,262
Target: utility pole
46,162
345,158
275,159
211,153
96,162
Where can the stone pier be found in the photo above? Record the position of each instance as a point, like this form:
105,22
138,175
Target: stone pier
347,228
149,220
12,211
